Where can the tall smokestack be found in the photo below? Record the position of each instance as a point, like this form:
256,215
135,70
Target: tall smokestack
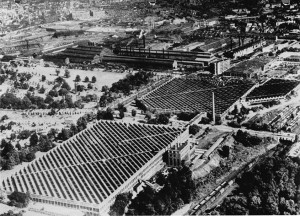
144,41
214,111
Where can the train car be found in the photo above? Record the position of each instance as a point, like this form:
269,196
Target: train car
224,183
202,202
250,165
207,198
213,193
218,188
222,190
196,207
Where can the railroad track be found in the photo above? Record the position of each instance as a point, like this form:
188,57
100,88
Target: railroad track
205,203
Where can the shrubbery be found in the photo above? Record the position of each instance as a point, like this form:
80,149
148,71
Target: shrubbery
186,116
105,115
246,139
124,86
122,200
162,118
194,129
269,189
178,190
18,199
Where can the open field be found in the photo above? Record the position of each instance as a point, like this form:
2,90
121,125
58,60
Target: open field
103,78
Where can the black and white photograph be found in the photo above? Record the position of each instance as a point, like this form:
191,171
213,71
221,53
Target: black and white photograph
149,107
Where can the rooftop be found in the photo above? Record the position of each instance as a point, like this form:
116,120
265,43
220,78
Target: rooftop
91,165
249,66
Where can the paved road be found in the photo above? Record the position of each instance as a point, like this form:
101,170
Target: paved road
253,132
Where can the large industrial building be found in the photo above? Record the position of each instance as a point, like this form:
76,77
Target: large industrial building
272,89
87,171
190,95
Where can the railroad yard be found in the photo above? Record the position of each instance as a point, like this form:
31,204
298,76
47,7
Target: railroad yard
143,103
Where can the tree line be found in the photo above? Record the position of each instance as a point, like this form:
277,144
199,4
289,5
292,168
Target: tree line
269,189
177,191
124,86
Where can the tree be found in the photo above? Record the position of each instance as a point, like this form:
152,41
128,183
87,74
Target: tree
26,103
133,113
186,116
122,114
59,80
3,143
53,93
73,129
78,104
69,101
30,156
49,99
148,115
163,119
33,139
105,115
161,179
7,149
67,73
90,86
246,139
205,120
63,92
77,79
122,107
45,144
80,88
194,129
3,118
65,85
31,89
105,88
13,136
118,208
43,78
42,90
8,165
19,199
18,146
86,79
57,71
94,79
235,205
178,189
81,123
52,133
64,134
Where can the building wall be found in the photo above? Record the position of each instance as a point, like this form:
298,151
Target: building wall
262,100
249,49
146,172
175,156
221,66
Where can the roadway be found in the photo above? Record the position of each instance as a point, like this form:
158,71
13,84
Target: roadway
280,135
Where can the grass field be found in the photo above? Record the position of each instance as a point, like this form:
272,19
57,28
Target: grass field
103,78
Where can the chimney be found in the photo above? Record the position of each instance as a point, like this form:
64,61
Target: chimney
213,110
144,41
